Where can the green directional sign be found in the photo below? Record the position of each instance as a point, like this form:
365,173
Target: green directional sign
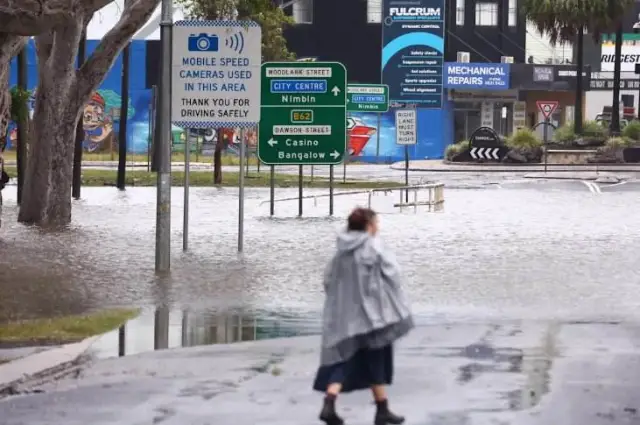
367,98
303,113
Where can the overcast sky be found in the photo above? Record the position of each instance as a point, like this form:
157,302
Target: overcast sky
107,17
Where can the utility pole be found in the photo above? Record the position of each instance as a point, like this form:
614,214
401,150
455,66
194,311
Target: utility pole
163,144
124,109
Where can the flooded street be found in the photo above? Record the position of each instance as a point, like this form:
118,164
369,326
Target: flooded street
538,251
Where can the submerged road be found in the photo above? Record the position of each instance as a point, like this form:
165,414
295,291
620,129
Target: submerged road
492,373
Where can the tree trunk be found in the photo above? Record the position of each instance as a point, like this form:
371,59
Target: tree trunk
47,193
217,157
615,106
577,117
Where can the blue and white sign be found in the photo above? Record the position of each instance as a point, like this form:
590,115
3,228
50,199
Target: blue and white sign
486,76
413,51
216,74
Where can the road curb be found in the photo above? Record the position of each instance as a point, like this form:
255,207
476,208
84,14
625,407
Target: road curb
466,168
43,366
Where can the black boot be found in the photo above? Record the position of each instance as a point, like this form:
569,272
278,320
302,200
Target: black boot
328,413
384,416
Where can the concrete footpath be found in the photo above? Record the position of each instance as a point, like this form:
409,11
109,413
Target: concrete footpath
30,365
530,373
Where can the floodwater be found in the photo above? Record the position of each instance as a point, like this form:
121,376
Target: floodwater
522,253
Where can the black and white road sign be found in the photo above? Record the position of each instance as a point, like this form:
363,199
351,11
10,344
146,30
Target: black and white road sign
485,153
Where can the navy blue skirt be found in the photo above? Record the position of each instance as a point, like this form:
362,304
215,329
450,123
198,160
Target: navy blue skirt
366,368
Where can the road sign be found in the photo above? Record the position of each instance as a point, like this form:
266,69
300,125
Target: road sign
547,107
406,127
367,98
485,153
304,114
216,74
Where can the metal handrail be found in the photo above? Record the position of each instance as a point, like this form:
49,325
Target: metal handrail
369,192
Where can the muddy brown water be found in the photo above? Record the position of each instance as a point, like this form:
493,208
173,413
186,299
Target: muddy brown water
491,253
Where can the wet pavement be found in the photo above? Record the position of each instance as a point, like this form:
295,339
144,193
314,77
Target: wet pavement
504,373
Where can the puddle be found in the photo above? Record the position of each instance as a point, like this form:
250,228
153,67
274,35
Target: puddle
161,329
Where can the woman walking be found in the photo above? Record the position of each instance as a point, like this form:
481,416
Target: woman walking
364,313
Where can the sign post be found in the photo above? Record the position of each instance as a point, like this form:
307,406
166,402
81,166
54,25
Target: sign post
547,107
303,114
216,81
406,134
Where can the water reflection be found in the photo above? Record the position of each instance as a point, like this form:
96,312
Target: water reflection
165,328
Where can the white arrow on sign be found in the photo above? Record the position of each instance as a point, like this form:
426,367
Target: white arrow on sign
335,154
485,153
335,90
272,142
350,123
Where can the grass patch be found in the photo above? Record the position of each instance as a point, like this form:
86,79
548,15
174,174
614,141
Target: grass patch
63,329
93,177
10,155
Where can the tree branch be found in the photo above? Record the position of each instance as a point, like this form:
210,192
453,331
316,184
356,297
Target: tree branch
92,72
10,45
33,17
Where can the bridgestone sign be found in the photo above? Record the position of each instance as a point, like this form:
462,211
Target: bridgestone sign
630,57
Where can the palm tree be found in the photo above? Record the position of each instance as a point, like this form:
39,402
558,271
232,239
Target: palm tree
566,21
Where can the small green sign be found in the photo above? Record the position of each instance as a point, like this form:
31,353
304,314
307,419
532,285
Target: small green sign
303,113
367,98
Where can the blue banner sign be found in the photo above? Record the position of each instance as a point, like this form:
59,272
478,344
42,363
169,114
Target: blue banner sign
298,86
486,76
413,51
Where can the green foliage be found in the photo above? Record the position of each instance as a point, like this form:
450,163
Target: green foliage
632,130
271,18
19,104
565,134
594,130
455,149
524,138
562,19
618,143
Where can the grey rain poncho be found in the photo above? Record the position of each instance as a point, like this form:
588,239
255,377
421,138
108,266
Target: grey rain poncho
364,305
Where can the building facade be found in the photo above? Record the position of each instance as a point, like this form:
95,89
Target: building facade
350,32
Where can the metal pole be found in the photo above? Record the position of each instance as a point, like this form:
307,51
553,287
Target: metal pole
300,182
161,328
406,172
122,347
241,194
246,152
122,131
76,179
344,167
378,137
23,122
312,167
272,190
163,137
545,136
331,190
184,338
187,171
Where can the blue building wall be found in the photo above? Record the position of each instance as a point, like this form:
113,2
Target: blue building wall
369,141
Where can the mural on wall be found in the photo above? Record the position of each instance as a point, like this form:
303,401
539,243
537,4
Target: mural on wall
371,137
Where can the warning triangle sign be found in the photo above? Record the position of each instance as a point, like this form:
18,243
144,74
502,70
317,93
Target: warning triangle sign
547,107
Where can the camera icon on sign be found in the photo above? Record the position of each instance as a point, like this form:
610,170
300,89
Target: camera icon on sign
202,43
